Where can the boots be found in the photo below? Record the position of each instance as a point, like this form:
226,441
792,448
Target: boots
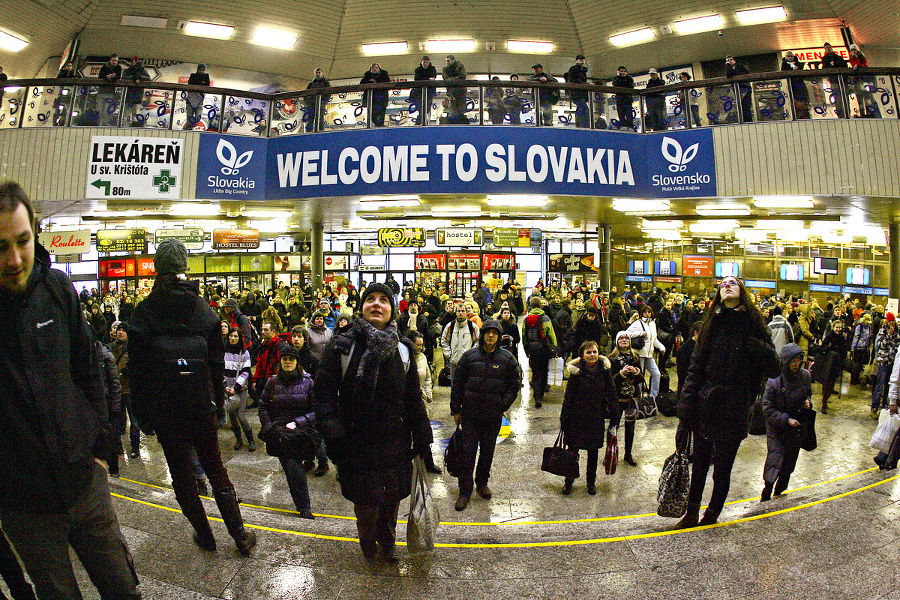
592,487
766,493
251,445
709,518
227,502
824,406
369,549
781,484
691,517
567,488
237,436
203,535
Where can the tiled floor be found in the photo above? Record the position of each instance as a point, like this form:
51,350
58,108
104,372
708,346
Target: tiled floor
835,535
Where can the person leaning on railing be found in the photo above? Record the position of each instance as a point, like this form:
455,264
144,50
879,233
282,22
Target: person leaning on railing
798,85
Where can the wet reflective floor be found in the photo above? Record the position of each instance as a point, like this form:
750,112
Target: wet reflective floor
834,535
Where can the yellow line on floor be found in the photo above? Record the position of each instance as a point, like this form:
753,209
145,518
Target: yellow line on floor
623,538
517,522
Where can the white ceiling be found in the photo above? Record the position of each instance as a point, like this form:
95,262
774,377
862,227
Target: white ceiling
331,32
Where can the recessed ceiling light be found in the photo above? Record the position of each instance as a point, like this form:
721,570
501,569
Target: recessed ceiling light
385,48
450,45
663,234
194,209
632,37
208,30
784,202
514,200
526,46
761,15
645,224
631,205
698,24
723,210
377,202
11,42
714,226
273,38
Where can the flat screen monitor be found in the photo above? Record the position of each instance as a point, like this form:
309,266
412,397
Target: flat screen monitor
858,276
792,272
825,266
727,269
639,267
666,267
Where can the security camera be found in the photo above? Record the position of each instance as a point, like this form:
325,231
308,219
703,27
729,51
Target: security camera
721,34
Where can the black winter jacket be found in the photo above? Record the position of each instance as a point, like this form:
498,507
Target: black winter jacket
372,426
626,81
578,74
587,329
53,413
284,399
786,394
484,385
590,398
725,375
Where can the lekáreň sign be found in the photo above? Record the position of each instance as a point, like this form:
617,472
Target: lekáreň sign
510,160
129,167
66,242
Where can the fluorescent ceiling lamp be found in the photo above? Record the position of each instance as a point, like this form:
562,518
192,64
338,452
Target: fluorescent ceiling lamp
208,30
779,224
376,205
663,234
11,42
450,46
385,48
273,38
751,235
639,206
452,211
783,202
632,37
266,214
513,200
193,208
715,226
645,224
761,15
698,24
723,210
526,46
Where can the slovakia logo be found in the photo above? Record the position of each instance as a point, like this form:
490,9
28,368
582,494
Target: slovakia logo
672,152
228,156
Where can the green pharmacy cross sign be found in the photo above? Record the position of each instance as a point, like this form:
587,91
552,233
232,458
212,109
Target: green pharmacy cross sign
164,180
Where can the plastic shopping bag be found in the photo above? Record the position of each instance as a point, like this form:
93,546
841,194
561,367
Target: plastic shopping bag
423,513
888,425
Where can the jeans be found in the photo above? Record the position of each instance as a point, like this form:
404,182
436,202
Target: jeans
296,478
724,451
625,111
649,365
134,431
879,393
540,367
197,469
477,434
89,525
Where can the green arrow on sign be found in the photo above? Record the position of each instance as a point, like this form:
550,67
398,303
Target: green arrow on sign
102,184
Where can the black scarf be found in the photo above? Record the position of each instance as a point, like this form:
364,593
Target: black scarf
380,345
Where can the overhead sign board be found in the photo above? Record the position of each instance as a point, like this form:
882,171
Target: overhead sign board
240,239
133,167
519,238
192,238
396,237
572,263
122,240
68,258
431,262
697,266
66,242
459,236
231,167
336,262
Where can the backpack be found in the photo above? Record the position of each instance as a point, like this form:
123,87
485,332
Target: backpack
535,338
178,357
468,324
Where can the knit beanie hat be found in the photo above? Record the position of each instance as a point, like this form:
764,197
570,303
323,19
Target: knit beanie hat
384,289
620,335
171,257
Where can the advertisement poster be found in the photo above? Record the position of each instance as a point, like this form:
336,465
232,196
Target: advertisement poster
572,263
519,238
336,262
231,168
113,268
459,236
66,242
122,240
129,167
243,239
192,238
395,237
464,262
697,266
498,262
431,262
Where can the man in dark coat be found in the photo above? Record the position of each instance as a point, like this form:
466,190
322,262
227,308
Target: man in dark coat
376,74
456,96
833,60
369,407
53,423
656,104
546,97
578,74
485,384
422,97
624,108
733,69
316,119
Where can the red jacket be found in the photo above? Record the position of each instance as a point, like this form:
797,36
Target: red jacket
267,359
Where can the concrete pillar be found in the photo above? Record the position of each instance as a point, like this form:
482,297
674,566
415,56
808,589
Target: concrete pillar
894,257
605,245
317,259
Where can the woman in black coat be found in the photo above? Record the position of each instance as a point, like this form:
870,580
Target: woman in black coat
733,352
590,397
589,327
833,354
782,402
369,407
508,323
665,327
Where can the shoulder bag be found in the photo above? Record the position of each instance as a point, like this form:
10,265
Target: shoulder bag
559,460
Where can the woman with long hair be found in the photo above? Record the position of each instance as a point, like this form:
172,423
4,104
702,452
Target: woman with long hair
645,328
733,353
629,381
237,395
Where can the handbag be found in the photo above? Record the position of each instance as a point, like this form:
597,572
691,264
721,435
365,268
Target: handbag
611,458
808,429
453,454
559,460
888,425
424,517
444,376
640,408
674,485
299,443
757,418
638,342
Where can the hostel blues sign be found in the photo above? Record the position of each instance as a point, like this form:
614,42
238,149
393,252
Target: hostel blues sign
490,160
231,167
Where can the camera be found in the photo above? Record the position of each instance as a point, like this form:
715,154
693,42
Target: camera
721,34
